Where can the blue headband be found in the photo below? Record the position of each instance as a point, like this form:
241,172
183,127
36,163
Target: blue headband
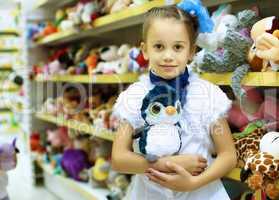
195,7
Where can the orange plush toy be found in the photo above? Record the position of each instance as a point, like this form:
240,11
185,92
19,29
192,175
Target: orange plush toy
264,54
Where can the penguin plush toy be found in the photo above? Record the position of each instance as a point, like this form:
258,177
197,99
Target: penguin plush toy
161,136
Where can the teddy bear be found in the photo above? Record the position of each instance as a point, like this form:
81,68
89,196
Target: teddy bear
232,32
262,57
261,170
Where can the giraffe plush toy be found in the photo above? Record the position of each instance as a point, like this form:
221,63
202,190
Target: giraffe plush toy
261,170
247,142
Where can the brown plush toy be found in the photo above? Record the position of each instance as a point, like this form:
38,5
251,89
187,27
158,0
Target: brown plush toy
261,170
264,54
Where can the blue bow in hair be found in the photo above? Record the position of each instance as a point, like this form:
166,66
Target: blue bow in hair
195,7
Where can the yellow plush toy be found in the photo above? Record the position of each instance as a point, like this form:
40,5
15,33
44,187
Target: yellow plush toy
264,54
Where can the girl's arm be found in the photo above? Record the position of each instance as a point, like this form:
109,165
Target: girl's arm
226,160
126,161
226,154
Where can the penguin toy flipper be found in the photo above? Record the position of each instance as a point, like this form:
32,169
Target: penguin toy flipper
142,141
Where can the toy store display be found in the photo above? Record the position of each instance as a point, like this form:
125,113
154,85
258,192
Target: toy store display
79,17
96,112
77,60
236,42
80,157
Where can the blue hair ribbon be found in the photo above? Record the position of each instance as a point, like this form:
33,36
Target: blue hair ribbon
195,8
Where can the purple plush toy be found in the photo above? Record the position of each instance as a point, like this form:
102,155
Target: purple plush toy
8,156
7,162
75,163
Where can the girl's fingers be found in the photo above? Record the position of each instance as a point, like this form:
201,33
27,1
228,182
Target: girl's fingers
202,165
154,179
175,167
158,175
201,159
195,173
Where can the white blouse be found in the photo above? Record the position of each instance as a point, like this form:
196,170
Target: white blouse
205,103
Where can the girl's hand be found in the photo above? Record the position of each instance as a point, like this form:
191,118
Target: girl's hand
178,180
195,164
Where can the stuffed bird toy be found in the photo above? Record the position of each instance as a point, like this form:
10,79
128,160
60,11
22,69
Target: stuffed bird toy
161,136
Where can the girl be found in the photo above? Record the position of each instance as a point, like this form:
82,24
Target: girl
168,44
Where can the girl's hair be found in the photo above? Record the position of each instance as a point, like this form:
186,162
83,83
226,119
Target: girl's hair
171,12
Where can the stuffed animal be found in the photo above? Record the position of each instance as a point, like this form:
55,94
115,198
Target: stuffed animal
115,60
137,63
91,61
227,58
100,171
262,167
59,138
35,143
161,110
90,11
75,163
117,184
254,107
8,153
49,107
262,57
120,5
248,141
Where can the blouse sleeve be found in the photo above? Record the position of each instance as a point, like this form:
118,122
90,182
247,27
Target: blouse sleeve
218,105
129,103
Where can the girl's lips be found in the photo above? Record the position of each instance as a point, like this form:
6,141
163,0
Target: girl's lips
168,67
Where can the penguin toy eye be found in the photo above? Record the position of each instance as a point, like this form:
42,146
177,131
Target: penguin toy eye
178,107
155,108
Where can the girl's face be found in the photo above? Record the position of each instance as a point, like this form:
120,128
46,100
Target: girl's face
167,47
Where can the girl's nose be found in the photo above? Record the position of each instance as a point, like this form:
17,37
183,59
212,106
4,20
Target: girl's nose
168,56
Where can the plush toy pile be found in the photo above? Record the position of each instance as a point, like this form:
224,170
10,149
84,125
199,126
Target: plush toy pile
79,17
76,60
96,110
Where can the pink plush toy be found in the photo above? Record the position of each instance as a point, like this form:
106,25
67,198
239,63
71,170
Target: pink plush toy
256,108
59,138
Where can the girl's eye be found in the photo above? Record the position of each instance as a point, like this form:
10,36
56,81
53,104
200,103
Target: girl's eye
158,46
155,109
178,47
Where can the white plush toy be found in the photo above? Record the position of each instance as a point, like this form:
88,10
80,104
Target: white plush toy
270,143
222,21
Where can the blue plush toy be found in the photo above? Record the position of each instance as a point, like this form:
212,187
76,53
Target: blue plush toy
161,110
195,8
